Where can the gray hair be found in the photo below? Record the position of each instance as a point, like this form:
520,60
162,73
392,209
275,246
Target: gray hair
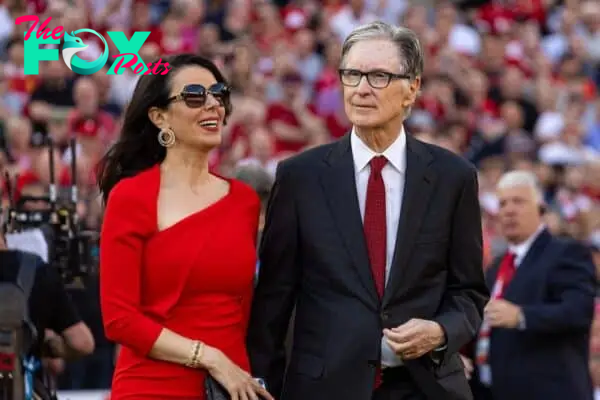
410,52
521,178
257,178
407,42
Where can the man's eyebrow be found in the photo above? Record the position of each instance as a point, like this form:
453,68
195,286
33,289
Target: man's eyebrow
378,69
391,70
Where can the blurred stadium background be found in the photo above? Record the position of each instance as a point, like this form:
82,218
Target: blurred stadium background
507,84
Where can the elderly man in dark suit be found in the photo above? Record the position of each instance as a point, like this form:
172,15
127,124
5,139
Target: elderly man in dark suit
376,241
534,342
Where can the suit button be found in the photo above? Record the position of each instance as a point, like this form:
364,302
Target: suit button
385,316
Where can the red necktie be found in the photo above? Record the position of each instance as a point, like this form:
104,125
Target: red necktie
375,230
506,272
509,269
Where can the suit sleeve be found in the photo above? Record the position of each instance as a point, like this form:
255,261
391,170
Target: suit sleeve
461,311
121,242
275,294
571,293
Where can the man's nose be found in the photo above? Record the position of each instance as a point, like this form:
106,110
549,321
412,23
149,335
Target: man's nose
363,86
510,210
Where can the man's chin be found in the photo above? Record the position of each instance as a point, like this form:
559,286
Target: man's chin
513,236
365,122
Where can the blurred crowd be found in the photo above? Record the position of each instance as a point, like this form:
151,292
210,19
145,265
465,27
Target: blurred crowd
507,84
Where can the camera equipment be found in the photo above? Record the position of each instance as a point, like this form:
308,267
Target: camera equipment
17,332
72,250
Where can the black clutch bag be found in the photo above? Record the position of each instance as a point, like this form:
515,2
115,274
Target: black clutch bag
214,390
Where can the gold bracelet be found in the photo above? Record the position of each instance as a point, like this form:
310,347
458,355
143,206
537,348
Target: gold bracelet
193,355
196,356
198,359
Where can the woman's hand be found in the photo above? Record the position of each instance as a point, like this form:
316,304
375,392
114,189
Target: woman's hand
239,384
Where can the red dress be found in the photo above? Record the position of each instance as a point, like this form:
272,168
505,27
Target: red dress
194,278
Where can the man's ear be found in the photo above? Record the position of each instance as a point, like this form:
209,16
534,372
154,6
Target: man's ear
413,91
157,117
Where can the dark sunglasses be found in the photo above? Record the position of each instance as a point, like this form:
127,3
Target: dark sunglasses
195,95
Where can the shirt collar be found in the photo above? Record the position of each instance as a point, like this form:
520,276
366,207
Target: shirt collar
395,153
520,250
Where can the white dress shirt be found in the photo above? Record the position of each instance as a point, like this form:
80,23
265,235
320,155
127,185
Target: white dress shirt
520,250
393,178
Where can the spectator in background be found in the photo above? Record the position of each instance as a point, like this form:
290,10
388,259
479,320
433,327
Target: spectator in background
87,119
541,310
350,17
309,63
54,94
261,181
294,124
18,135
261,152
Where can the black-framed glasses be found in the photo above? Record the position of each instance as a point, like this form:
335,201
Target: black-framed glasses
195,95
377,79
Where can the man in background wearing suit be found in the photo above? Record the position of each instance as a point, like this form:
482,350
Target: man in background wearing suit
376,240
534,342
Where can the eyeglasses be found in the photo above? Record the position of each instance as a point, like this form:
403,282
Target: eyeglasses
195,95
376,79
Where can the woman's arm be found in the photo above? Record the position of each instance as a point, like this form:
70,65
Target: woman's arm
126,225
172,347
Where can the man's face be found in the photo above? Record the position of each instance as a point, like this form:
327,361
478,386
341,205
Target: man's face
86,97
377,107
519,213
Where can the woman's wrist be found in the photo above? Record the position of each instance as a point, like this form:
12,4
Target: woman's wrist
209,358
196,353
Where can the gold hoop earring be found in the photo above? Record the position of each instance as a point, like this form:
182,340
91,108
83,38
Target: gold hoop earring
166,137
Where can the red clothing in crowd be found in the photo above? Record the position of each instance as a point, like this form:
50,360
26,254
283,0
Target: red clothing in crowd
17,81
278,112
102,126
194,278
30,177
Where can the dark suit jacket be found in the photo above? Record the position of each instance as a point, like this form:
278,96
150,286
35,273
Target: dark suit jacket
555,286
314,256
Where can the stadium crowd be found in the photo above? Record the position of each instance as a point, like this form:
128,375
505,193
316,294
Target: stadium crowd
507,83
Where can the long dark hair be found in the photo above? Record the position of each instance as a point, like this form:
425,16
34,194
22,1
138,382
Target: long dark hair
137,147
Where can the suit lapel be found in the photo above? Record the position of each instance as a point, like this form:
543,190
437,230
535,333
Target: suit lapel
526,267
418,187
339,185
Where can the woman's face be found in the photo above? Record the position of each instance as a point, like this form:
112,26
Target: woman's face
190,124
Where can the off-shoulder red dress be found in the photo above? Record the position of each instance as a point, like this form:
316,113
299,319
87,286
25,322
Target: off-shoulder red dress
194,278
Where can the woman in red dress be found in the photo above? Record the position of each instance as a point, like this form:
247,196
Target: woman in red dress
177,253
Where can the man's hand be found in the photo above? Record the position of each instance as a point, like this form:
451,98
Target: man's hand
415,338
502,314
55,343
56,366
